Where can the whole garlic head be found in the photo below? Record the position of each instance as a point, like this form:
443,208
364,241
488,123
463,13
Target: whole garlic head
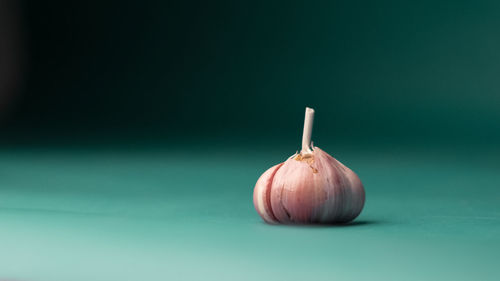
309,187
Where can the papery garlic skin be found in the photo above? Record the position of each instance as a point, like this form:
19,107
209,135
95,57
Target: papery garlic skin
309,188
262,194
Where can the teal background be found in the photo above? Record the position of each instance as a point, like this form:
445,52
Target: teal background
132,145
387,70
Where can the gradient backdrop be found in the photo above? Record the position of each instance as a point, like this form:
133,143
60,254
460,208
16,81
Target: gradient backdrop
132,133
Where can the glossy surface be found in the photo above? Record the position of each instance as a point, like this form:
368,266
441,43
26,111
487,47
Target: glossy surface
187,214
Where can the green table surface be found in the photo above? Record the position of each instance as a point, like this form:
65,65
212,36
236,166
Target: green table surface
186,213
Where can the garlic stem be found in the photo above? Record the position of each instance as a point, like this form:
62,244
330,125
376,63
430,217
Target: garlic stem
306,135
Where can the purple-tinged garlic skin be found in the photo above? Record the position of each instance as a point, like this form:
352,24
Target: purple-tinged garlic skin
262,194
308,189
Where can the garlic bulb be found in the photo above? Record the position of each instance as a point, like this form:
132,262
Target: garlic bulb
309,187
